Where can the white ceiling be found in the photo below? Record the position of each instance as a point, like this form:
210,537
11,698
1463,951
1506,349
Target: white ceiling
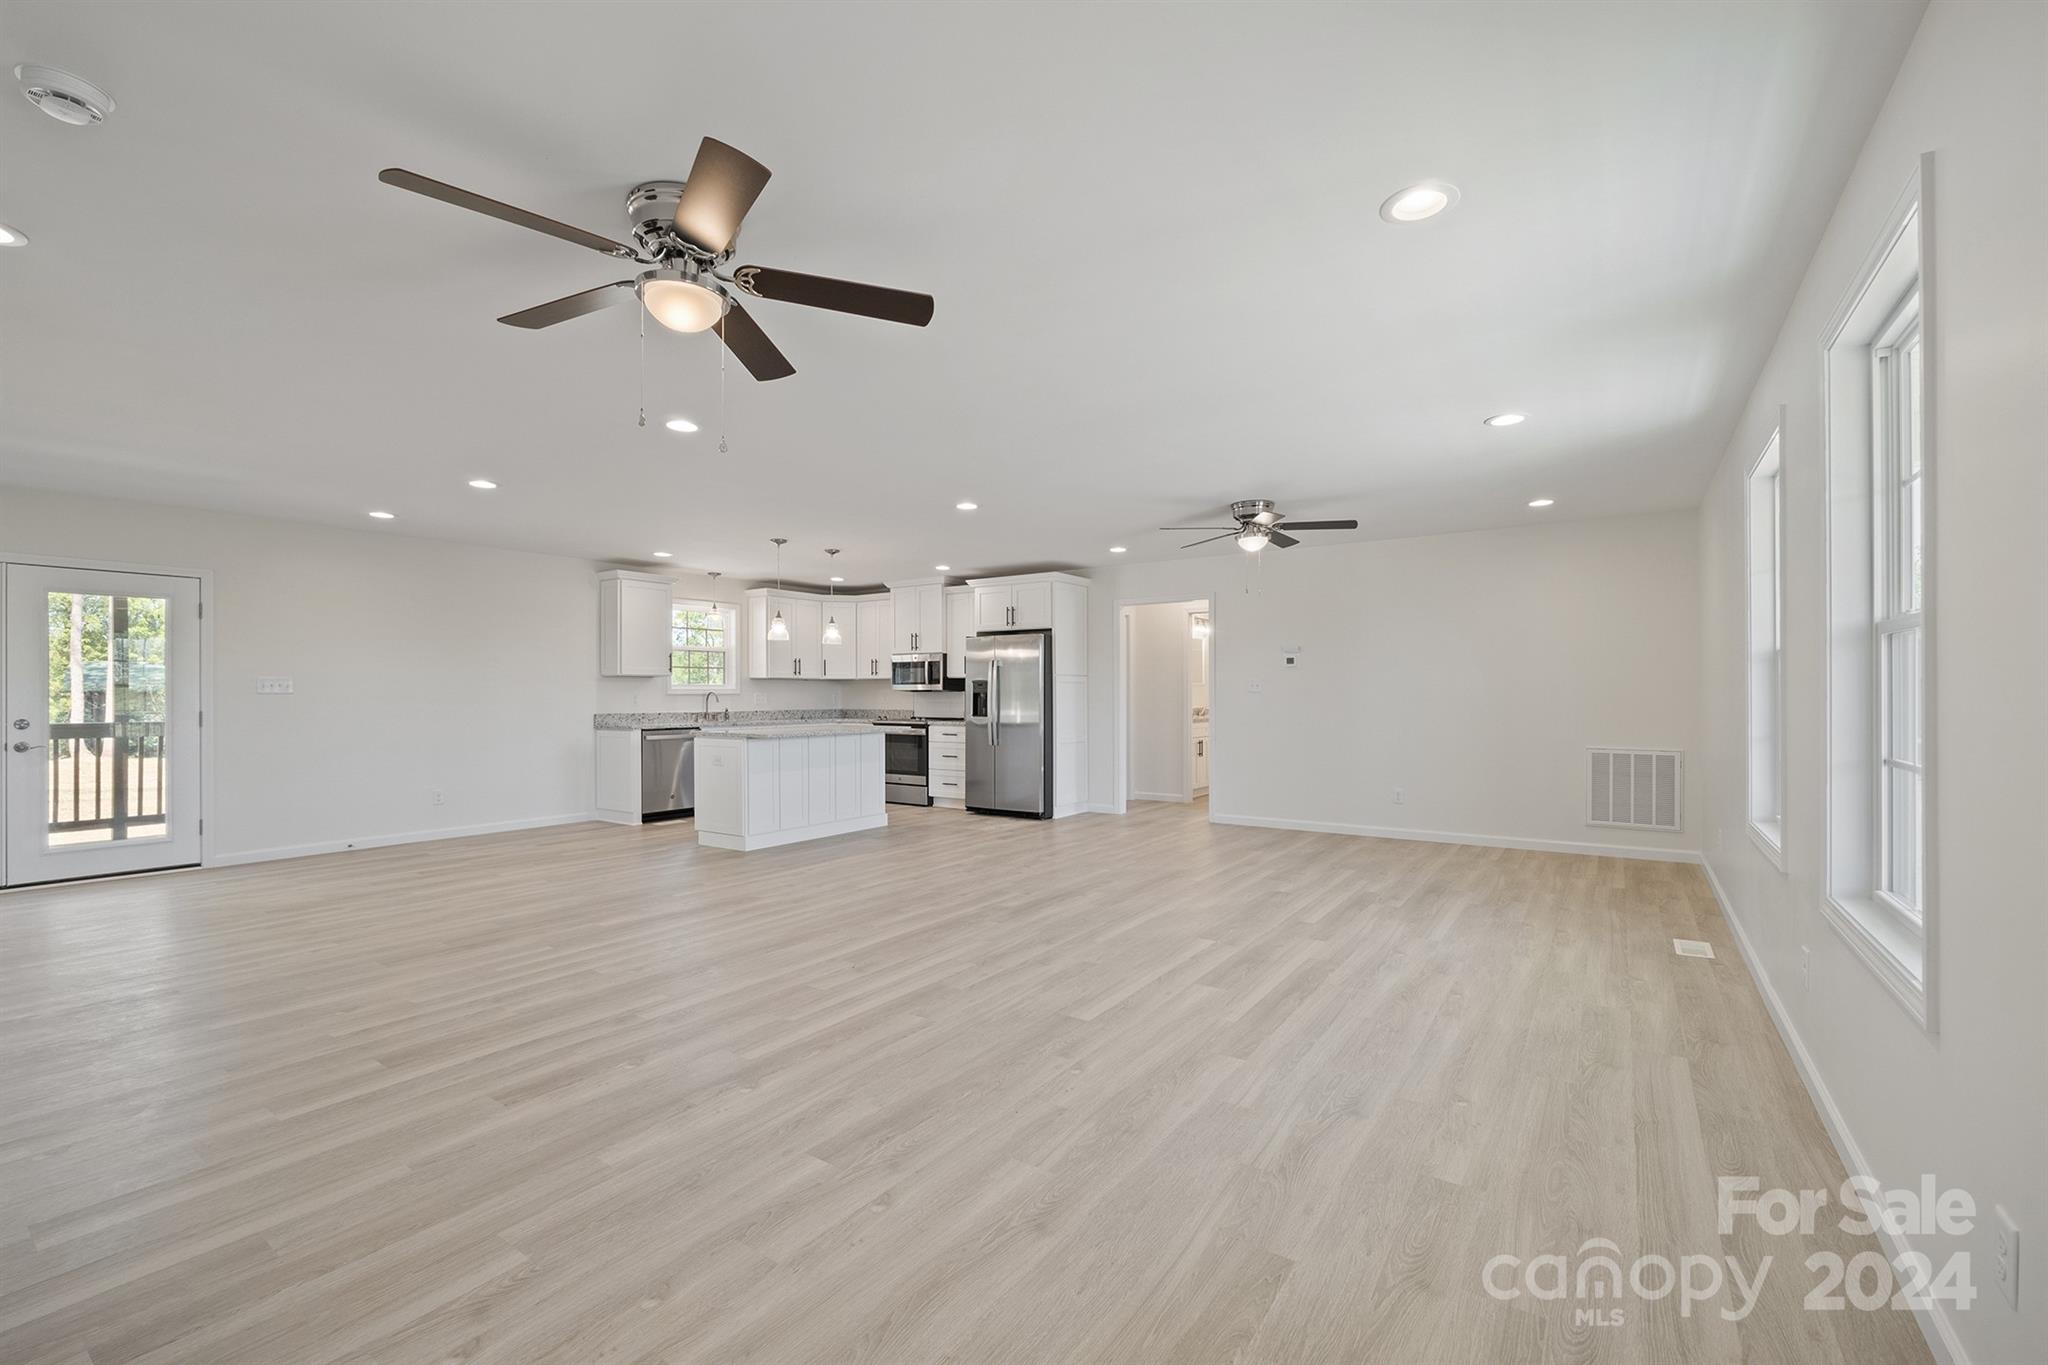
1162,280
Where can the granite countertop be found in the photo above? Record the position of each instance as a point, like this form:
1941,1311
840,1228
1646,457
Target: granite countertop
797,731
691,720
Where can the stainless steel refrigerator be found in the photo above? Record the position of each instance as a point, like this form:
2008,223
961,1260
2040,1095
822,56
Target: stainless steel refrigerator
1009,723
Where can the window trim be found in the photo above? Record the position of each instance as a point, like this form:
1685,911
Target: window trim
1889,617
1903,954
1767,835
731,613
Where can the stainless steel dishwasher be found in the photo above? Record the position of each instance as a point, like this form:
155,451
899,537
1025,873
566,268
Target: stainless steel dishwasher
668,774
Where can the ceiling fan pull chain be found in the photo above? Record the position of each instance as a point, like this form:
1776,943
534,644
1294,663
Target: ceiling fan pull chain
643,365
721,383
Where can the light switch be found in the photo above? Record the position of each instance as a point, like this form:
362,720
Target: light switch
273,687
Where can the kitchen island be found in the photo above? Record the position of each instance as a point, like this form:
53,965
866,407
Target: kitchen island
761,786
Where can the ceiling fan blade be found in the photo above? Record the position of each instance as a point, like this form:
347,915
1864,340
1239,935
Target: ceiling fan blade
1198,528
1225,536
1320,525
724,183
751,347
477,203
573,306
841,296
1280,540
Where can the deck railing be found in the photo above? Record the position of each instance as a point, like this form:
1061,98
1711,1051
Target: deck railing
106,775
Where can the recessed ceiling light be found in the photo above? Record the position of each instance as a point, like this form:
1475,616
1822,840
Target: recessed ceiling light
663,554
63,96
837,579
1117,549
965,506
384,516
12,236
1506,419
481,483
943,568
682,424
1419,201
1543,502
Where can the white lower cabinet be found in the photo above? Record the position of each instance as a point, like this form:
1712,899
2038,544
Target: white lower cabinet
759,790
946,763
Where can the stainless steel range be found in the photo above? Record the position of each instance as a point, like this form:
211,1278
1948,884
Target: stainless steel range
906,761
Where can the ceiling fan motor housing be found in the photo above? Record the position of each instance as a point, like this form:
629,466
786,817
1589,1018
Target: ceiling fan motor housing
1260,510
651,208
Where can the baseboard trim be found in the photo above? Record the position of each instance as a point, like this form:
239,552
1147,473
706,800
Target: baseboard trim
1158,796
782,838
271,855
1434,836
1933,1319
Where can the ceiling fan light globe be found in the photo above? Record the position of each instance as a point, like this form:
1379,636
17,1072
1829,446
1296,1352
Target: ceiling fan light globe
680,305
1252,539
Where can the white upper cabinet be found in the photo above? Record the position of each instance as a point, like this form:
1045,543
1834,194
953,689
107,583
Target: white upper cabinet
920,617
864,628
841,660
635,614
874,637
959,625
802,655
807,635
1019,605
1031,608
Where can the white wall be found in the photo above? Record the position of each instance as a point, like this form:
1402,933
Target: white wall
417,665
1969,1104
1471,670
1159,728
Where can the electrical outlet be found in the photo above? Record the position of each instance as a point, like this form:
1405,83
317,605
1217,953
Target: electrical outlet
2005,1263
1257,686
1400,796
439,800
273,687
760,699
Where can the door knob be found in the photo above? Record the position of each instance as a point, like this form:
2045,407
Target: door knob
21,723
22,746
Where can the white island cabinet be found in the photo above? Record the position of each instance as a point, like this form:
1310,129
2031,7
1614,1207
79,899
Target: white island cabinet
757,788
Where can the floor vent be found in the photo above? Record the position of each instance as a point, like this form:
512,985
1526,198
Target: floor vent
1636,788
1692,947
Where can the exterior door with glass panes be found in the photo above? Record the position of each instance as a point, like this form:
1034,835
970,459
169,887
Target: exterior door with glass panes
100,745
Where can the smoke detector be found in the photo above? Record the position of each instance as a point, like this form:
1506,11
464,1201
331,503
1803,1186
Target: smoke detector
63,96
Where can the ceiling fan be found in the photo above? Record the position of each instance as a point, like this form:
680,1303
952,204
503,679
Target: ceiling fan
685,232
1259,524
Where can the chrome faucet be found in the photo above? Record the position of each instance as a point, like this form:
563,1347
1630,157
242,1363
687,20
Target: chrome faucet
709,697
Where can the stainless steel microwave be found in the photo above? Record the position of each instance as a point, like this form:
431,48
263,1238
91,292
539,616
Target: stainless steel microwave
918,672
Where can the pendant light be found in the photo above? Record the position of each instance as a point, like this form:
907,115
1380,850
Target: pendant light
832,635
778,629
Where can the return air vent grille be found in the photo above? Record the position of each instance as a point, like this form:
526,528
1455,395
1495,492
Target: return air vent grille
1638,788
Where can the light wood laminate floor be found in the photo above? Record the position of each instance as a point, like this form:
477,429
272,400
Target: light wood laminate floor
1113,1089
